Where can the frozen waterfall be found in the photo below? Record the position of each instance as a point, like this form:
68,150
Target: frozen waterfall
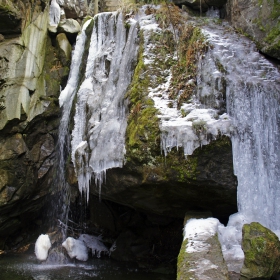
98,137
252,86
253,90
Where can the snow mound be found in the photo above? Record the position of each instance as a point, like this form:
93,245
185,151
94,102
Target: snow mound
42,246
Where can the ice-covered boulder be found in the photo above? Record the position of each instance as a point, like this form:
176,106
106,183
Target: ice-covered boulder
42,246
95,244
76,249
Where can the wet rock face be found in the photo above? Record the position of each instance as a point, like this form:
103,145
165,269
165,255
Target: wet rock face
10,18
262,252
74,8
203,181
204,5
31,72
258,20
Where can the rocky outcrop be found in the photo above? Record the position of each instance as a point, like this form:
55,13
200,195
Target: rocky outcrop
201,255
202,5
31,72
176,185
258,20
74,8
10,18
262,252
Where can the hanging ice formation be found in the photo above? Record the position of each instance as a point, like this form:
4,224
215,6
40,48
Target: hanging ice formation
252,89
252,94
65,100
98,137
54,14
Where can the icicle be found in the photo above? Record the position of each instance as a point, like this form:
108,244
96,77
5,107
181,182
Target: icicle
54,14
98,138
252,93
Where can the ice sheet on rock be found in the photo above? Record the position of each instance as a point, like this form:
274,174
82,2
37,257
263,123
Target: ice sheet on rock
101,110
197,231
95,244
201,123
230,238
76,249
54,13
252,94
65,100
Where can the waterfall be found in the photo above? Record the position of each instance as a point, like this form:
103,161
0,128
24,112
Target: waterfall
98,137
66,100
252,88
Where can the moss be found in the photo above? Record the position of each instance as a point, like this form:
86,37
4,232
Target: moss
143,134
262,250
192,42
183,271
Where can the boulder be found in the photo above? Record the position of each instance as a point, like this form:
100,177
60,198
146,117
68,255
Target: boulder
74,8
258,20
262,252
65,48
70,26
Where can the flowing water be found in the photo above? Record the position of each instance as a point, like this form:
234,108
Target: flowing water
26,267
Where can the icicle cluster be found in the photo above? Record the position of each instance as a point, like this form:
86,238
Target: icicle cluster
98,137
252,94
54,14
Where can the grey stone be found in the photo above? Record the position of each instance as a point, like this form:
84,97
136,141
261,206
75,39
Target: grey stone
201,256
258,20
204,5
69,26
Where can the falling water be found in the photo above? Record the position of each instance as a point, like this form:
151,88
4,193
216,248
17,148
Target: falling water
66,99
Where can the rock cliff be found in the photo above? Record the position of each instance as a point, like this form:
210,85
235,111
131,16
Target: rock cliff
148,198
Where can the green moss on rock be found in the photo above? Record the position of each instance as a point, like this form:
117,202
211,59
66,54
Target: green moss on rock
262,252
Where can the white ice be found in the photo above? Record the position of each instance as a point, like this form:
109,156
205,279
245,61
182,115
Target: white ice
54,13
95,244
252,95
42,246
76,249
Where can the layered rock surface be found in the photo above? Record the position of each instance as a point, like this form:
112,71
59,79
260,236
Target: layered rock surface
30,73
258,20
